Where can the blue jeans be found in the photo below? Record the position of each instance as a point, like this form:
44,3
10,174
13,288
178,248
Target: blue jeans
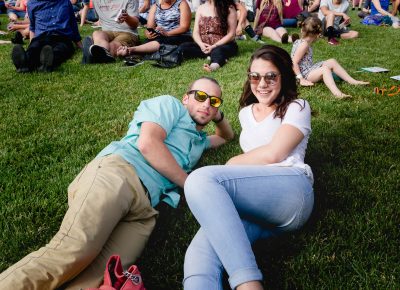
235,206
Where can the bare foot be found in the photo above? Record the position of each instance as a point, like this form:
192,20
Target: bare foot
342,96
359,83
207,67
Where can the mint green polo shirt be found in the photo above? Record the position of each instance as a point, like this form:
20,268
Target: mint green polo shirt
183,140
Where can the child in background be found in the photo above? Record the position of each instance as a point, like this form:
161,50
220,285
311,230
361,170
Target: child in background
308,72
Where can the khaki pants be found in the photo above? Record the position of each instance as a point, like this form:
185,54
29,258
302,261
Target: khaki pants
109,213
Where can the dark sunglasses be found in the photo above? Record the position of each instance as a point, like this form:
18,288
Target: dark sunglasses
270,77
201,96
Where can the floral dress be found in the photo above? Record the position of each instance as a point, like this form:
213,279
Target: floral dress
306,63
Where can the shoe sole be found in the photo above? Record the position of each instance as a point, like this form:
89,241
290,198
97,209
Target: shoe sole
86,44
46,59
100,54
19,59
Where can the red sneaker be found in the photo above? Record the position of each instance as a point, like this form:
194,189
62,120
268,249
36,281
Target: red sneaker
115,278
333,41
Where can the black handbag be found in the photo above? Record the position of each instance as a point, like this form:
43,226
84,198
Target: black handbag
168,56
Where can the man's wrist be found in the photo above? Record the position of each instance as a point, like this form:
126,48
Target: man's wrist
220,119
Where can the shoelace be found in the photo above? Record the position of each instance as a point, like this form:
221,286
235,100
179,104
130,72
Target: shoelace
134,278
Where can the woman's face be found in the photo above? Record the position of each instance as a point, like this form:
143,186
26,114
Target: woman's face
265,89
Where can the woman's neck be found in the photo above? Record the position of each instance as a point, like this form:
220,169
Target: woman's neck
167,4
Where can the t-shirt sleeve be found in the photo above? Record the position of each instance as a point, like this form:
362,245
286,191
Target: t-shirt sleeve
133,8
299,115
324,3
346,7
164,111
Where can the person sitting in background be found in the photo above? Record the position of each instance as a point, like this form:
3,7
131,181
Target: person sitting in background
119,21
144,7
16,9
168,23
245,15
291,9
213,33
268,21
51,43
381,7
308,72
88,13
335,21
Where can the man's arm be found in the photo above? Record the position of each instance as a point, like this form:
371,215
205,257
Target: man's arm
223,132
151,145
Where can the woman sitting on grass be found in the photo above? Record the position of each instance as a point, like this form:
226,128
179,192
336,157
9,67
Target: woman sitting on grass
268,21
308,72
168,23
263,192
214,34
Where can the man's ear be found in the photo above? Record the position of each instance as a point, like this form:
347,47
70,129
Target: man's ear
185,99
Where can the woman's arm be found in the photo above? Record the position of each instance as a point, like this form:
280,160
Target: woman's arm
196,29
241,23
151,22
84,13
230,35
379,8
184,24
283,143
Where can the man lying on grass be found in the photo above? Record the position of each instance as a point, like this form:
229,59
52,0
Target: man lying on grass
111,200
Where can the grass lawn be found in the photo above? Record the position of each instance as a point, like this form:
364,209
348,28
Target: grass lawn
52,124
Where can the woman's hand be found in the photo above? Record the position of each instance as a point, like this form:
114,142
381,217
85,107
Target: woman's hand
150,35
208,48
162,31
123,51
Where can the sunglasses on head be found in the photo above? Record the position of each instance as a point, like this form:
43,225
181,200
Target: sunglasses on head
201,96
270,77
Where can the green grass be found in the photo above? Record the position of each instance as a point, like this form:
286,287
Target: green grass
52,124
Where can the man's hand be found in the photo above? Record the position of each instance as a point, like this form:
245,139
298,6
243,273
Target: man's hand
122,18
346,19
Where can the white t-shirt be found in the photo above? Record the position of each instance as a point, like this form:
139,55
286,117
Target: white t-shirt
249,4
255,134
108,10
342,7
